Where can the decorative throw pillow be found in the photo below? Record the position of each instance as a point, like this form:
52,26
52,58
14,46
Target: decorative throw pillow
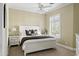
31,32
28,32
35,32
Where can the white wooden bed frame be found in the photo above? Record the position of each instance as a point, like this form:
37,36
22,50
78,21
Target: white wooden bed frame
36,45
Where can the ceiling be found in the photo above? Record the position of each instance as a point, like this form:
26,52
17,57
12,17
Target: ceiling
33,7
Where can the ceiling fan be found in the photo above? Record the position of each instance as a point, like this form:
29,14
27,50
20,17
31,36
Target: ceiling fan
42,6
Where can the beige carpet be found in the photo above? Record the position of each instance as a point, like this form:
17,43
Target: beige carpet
59,51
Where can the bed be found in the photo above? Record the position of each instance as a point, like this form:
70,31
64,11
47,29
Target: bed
33,43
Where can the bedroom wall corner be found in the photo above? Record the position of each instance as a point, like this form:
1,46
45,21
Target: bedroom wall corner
66,24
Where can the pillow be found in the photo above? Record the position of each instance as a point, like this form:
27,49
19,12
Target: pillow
35,32
32,31
28,32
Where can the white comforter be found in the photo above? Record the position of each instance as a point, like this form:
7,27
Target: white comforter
26,44
31,36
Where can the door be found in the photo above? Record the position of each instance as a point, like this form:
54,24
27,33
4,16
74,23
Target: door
3,30
1,27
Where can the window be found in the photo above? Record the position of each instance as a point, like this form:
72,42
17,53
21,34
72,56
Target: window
55,25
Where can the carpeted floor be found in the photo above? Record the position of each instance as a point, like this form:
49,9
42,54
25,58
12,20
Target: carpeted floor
59,51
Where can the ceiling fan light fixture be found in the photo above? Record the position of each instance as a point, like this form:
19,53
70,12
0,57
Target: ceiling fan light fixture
51,3
44,5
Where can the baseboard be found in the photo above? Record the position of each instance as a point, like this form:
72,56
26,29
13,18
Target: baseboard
67,47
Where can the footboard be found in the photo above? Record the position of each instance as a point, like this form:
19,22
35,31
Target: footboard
36,45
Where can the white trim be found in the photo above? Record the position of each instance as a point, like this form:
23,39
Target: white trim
67,47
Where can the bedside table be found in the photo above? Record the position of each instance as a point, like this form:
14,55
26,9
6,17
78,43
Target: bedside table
13,40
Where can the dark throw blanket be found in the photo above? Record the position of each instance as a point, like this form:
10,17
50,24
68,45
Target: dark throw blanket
33,37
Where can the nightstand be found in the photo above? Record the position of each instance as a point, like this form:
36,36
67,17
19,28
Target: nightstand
13,40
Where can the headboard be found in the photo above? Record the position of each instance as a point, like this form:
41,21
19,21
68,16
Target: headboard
23,28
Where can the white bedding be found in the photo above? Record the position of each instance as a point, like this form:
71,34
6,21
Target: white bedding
31,36
38,44
35,45
36,40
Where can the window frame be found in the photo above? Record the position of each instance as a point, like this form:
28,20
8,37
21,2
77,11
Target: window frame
50,24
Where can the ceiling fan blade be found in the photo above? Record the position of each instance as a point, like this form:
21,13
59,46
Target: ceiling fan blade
51,3
40,6
47,6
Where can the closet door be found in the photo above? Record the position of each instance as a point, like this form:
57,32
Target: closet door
5,31
1,26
